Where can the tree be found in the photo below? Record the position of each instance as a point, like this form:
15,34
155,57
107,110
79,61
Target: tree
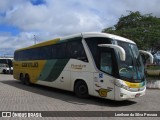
142,29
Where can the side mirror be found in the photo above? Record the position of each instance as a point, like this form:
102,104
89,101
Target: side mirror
120,50
149,54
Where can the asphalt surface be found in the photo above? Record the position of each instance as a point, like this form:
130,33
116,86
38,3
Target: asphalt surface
15,96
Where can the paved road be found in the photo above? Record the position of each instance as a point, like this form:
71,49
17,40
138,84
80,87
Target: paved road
15,96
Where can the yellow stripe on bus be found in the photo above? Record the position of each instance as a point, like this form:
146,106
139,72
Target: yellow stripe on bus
50,42
134,85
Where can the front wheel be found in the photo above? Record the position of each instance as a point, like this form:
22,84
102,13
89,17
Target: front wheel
4,72
81,89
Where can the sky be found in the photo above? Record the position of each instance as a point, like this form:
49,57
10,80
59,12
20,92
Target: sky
22,21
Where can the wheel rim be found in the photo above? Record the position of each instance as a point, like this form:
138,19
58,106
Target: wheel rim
82,89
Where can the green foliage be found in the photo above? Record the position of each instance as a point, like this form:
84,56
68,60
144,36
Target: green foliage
143,29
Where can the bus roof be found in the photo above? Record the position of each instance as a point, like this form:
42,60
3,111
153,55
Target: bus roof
48,42
6,58
96,34
84,35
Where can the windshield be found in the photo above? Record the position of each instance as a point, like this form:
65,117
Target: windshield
132,68
6,61
108,61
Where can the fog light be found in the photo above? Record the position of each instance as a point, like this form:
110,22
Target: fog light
121,95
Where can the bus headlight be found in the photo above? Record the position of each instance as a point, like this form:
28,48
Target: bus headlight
121,85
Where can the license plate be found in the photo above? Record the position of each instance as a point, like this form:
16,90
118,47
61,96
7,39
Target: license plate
137,95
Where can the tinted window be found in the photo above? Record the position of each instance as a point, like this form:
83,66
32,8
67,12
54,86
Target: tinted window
6,61
93,46
61,51
71,48
76,50
106,62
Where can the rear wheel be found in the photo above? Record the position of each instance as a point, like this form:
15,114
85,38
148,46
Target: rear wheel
7,72
27,80
81,89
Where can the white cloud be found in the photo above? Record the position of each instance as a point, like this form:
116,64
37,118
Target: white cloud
6,5
19,41
59,17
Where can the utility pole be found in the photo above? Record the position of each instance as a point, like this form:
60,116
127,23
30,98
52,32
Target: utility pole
35,40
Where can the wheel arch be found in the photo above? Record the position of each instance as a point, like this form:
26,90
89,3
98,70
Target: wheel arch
81,79
81,88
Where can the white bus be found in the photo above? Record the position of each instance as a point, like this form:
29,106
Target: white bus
97,64
6,66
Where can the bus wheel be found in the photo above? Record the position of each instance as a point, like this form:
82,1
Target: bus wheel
27,80
81,89
21,78
4,71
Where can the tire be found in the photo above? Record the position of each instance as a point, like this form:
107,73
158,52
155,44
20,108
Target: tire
81,89
21,77
27,80
7,72
4,71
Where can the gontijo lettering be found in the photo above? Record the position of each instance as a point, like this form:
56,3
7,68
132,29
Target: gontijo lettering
77,66
30,64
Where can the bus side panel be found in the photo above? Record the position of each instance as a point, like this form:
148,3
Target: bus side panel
81,71
55,74
85,76
103,85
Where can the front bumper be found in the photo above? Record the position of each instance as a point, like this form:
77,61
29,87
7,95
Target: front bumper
122,94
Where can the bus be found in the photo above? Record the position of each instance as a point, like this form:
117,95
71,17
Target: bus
6,65
90,63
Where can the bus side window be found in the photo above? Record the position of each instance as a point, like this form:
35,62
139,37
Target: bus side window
60,51
76,50
106,62
53,52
